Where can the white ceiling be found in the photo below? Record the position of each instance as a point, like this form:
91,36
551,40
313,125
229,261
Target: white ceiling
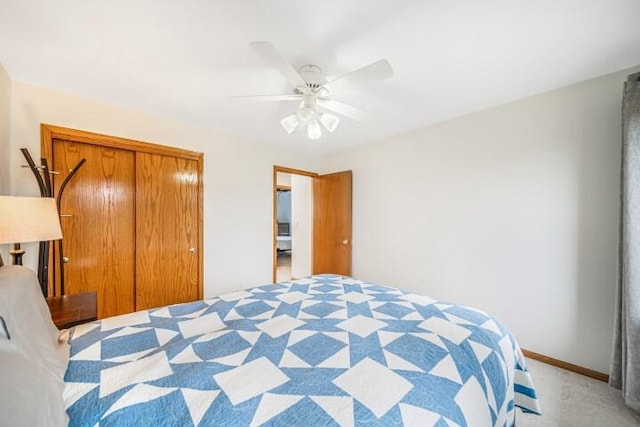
182,59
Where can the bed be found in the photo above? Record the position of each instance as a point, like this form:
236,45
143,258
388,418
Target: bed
324,350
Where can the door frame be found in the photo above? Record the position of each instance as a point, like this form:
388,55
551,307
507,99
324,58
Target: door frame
50,132
292,171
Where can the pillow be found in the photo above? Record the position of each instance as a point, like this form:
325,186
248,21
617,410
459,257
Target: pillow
28,320
31,395
32,362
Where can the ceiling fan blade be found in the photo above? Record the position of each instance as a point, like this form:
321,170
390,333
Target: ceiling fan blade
260,98
344,109
268,52
379,70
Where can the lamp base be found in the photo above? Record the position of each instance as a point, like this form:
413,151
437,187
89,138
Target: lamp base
16,254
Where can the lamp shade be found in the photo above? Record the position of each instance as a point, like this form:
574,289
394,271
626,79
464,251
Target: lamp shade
28,219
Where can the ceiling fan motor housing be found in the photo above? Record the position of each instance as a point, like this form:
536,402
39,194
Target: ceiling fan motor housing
312,75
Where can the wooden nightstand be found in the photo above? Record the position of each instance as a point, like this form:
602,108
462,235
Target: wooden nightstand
74,309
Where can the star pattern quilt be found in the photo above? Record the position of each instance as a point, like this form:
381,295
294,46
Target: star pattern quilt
321,351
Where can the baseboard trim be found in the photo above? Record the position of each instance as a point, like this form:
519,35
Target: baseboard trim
566,365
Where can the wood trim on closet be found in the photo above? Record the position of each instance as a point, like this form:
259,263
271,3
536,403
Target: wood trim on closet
50,132
200,160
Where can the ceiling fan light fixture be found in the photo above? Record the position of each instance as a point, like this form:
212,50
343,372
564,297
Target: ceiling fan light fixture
313,90
290,123
303,114
313,129
329,121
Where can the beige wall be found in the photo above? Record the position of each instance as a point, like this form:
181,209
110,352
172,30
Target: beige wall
513,210
283,178
5,118
5,164
238,176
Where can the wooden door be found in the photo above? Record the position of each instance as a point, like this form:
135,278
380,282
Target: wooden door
332,223
167,203
98,223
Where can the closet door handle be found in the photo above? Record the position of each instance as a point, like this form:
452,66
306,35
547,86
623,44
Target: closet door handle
192,250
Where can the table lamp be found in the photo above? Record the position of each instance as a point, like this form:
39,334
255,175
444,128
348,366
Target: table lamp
27,219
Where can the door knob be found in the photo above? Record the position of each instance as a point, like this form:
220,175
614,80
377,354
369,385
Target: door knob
192,250
345,242
65,259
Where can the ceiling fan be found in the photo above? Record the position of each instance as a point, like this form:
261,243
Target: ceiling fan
312,90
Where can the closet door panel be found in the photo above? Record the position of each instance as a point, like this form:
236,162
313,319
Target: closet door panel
167,269
98,224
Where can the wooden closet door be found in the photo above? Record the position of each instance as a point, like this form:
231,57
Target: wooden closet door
167,269
98,223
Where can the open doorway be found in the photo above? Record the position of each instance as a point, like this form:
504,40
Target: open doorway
316,238
293,224
283,221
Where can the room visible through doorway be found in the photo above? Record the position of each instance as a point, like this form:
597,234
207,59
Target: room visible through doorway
293,225
283,239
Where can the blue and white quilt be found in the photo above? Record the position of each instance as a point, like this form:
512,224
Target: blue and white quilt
322,351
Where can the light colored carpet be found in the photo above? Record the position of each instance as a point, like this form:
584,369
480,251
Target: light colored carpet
572,400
